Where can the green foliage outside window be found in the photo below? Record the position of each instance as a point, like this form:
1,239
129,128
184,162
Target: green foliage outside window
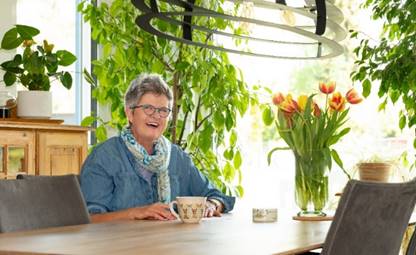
392,60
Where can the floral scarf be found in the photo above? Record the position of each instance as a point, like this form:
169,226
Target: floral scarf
156,163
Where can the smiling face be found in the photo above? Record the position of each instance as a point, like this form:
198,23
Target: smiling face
146,129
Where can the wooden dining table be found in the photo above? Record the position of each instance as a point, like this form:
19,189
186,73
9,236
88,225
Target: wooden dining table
229,234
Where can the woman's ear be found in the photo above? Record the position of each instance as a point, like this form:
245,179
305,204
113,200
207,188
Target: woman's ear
129,113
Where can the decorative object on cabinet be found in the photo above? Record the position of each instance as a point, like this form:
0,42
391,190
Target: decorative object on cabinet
34,104
7,104
35,69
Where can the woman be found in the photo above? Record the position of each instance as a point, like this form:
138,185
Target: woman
135,175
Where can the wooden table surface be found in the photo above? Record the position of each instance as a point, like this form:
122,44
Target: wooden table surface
229,234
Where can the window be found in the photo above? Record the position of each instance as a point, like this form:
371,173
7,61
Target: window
61,25
372,132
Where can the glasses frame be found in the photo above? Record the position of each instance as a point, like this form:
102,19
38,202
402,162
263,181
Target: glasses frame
148,107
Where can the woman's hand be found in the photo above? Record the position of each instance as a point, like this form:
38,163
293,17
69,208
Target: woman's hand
212,209
157,211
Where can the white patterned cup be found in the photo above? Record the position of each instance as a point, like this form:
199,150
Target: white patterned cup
191,209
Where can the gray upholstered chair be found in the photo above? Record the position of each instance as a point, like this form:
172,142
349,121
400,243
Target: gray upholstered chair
41,202
371,218
28,176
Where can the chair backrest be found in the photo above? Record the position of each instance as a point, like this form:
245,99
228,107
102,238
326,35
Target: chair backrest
371,218
41,202
28,177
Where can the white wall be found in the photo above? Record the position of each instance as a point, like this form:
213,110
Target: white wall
7,20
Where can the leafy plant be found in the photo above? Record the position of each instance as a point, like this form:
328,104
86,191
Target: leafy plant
375,158
209,92
392,60
38,63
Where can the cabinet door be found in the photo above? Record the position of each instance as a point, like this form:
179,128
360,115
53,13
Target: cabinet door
61,153
17,152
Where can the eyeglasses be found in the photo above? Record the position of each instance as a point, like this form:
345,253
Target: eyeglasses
150,110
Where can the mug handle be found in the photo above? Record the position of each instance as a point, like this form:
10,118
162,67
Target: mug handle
172,210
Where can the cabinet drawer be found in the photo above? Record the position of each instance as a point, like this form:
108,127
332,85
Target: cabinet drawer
17,137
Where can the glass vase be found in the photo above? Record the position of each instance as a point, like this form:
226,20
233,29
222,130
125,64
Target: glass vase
311,183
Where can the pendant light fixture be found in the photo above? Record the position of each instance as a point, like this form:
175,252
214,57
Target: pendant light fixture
317,37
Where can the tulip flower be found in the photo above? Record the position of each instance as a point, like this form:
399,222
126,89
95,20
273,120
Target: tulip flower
353,97
337,102
327,88
316,110
289,106
302,101
278,98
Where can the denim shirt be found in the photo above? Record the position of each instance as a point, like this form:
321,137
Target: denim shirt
111,180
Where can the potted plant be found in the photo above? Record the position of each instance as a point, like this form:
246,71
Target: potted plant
35,69
375,168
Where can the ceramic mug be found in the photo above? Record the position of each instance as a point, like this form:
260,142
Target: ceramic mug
191,209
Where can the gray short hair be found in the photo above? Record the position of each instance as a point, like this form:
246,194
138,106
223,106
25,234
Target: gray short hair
146,83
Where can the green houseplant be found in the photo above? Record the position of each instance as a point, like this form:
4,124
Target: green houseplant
35,68
391,60
209,92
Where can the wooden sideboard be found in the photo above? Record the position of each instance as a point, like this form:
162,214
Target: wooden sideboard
41,148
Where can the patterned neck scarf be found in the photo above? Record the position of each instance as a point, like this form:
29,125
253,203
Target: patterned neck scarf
156,163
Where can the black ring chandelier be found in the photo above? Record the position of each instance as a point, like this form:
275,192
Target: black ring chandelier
324,14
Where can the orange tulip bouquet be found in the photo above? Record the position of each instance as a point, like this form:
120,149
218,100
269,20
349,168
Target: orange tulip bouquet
309,132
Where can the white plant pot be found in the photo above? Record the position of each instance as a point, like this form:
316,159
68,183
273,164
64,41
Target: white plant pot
34,104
